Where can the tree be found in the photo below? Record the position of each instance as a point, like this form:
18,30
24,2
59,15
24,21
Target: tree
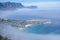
3,38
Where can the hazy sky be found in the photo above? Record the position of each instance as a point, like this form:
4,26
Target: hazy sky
28,0
40,3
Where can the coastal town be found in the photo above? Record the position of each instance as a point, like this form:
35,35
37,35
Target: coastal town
23,23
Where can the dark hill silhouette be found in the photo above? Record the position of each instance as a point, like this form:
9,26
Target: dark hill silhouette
10,5
13,5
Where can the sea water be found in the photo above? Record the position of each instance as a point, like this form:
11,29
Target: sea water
43,29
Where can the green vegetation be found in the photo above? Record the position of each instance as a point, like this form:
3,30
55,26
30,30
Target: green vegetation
3,38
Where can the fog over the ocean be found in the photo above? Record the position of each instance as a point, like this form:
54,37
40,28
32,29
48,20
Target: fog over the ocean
25,12
49,10
44,10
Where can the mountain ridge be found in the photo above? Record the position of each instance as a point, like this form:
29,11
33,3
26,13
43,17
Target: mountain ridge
13,5
10,5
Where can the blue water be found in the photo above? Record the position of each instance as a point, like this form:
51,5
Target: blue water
43,29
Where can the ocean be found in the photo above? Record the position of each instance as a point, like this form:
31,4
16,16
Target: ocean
43,29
